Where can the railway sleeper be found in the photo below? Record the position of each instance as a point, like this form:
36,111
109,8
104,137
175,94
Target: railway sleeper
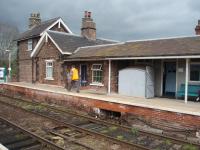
8,132
33,147
13,139
22,144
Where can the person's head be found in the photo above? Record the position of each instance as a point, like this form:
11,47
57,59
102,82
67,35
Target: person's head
73,66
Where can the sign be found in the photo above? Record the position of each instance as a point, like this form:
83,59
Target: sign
180,69
1,73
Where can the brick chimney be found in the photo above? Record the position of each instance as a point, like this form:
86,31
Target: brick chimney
88,28
34,20
197,29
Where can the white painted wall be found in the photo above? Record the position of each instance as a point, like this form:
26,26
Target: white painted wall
137,82
132,82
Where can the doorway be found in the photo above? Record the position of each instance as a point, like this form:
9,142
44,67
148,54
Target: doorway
37,71
83,75
169,79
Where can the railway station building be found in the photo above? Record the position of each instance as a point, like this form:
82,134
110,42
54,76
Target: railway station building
168,67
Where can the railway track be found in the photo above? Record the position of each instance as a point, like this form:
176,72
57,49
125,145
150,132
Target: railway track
132,137
13,137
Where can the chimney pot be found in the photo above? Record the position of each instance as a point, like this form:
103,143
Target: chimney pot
88,28
89,14
198,22
86,14
34,19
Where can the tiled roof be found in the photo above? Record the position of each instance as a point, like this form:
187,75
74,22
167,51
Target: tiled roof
37,30
70,42
160,47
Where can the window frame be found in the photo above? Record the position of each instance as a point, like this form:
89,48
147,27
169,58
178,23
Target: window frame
49,66
193,63
30,45
97,69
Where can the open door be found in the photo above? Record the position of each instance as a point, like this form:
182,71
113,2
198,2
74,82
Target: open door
169,79
83,75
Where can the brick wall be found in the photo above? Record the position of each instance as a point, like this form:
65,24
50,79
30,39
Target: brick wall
25,61
48,51
61,29
67,65
115,67
27,68
88,105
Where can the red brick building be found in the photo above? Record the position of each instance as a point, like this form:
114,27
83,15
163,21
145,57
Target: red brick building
43,47
160,67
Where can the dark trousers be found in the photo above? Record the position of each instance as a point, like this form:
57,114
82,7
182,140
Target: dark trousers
198,98
75,84
68,84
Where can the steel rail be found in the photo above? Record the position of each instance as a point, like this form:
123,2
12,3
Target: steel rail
121,142
39,138
156,135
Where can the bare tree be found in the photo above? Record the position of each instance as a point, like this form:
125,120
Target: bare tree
7,35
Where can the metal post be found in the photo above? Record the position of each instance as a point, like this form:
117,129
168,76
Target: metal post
161,78
9,68
176,78
109,76
186,79
9,63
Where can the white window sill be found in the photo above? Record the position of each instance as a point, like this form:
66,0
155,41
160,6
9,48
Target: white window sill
29,50
194,82
97,84
49,78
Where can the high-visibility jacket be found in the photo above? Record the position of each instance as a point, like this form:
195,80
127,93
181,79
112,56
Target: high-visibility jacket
75,75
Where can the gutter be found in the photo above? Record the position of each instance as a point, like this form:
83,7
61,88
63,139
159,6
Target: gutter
18,40
133,58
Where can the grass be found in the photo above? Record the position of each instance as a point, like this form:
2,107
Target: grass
167,142
135,131
104,131
189,147
120,137
28,107
18,136
113,128
39,107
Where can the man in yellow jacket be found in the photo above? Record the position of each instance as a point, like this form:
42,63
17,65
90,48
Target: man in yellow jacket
74,79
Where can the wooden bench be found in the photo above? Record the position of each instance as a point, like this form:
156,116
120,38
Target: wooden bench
193,90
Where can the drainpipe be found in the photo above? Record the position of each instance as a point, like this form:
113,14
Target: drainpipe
186,79
109,76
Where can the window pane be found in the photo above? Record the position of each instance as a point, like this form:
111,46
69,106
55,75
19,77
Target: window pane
95,73
96,67
49,69
49,72
97,76
30,44
195,72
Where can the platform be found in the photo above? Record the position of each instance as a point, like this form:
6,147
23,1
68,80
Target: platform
171,109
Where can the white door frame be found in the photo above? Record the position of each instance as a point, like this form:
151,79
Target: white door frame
162,71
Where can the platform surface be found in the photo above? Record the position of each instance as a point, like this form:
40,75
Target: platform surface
173,105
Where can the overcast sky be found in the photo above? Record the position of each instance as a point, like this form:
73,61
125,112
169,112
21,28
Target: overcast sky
116,19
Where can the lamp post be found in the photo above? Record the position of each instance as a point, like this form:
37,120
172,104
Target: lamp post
9,63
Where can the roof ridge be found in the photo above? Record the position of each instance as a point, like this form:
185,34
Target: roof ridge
105,39
100,45
56,18
76,35
43,22
156,39
65,33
